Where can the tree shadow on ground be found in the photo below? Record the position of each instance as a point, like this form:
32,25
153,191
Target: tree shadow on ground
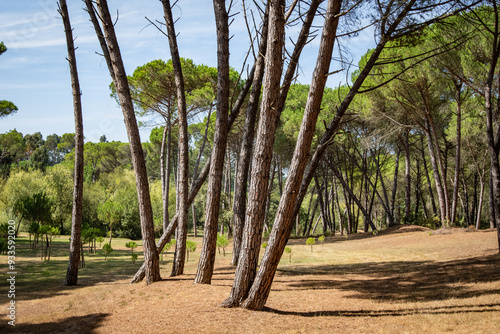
482,308
403,280
87,324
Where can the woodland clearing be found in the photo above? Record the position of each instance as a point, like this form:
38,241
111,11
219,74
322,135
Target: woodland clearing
407,279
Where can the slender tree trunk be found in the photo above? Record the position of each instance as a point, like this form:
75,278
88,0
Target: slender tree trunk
395,187
183,167
406,147
207,257
262,157
282,226
76,216
241,185
437,176
121,84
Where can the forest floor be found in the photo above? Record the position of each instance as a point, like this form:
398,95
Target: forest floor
404,280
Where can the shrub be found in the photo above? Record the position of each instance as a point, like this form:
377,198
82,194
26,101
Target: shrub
107,249
190,247
131,245
311,242
288,251
322,240
264,245
222,242
134,257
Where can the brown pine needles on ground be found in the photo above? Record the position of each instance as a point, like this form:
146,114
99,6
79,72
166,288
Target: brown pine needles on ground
404,280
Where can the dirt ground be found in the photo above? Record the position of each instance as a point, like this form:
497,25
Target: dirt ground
405,280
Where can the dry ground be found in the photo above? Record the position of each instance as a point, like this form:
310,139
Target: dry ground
401,281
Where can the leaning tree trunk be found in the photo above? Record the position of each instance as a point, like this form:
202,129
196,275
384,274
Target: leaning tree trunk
121,85
76,216
207,257
262,157
240,194
183,169
283,224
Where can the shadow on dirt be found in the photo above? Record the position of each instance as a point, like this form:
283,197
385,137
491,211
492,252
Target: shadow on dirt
402,281
87,324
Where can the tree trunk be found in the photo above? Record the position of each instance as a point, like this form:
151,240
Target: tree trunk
240,194
282,226
76,216
121,85
457,154
435,168
262,157
183,167
207,257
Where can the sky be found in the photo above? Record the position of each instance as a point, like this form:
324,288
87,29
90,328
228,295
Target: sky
34,72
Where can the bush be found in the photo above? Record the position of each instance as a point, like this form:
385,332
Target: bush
321,239
190,247
264,245
311,242
134,257
288,251
107,249
222,242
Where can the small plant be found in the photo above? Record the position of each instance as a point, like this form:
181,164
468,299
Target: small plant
222,242
134,257
264,245
288,251
190,247
131,245
375,232
321,239
107,249
311,242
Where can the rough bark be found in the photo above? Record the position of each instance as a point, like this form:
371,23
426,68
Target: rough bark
122,88
183,169
283,224
262,157
207,257
76,216
241,185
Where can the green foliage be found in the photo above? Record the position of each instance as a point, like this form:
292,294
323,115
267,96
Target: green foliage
3,246
131,245
288,251
134,257
311,241
264,245
321,239
107,250
190,247
222,242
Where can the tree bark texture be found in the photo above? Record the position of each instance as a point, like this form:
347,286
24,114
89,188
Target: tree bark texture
207,257
240,194
122,88
76,216
262,157
259,291
183,169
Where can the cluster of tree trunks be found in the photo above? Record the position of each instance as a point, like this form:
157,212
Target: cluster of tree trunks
332,169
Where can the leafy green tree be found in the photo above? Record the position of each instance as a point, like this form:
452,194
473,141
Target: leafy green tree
110,212
12,148
6,107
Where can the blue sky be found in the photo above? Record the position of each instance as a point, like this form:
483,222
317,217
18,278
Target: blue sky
35,75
